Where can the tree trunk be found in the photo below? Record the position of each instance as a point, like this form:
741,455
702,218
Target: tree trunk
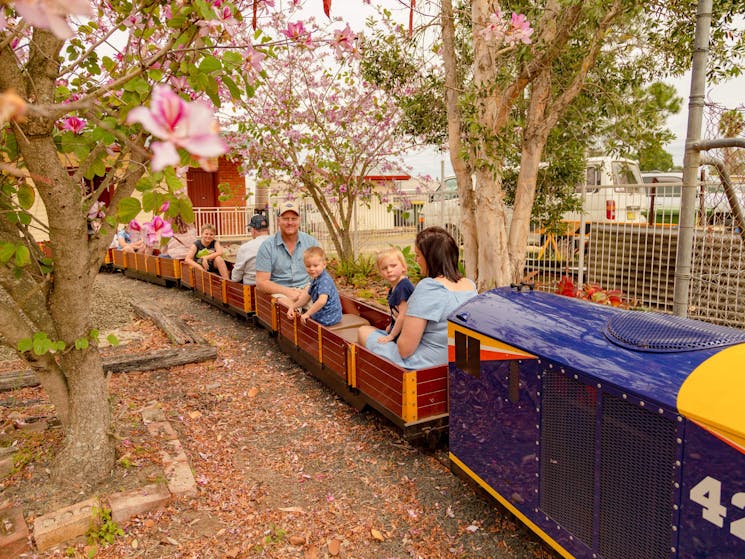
494,268
87,453
524,199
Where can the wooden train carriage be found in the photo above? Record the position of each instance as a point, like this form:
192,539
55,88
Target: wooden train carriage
265,310
239,298
210,287
325,351
119,259
149,268
188,276
170,269
415,401
612,434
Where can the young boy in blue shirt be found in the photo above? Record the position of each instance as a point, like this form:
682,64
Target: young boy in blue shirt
326,305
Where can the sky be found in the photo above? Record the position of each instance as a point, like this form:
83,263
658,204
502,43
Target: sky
428,162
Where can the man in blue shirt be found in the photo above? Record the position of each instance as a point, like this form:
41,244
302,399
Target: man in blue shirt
279,263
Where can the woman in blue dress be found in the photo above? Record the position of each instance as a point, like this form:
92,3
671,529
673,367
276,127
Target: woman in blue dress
424,337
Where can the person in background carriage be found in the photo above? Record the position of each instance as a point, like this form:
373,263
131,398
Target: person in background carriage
326,305
280,269
184,236
423,341
244,270
206,253
128,240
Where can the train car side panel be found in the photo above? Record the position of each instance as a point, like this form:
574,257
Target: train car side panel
334,352
713,497
118,258
308,338
265,310
380,380
170,268
188,277
239,297
432,391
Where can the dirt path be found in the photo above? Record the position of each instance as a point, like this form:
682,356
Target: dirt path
284,468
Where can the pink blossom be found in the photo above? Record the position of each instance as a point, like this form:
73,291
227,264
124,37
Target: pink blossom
496,29
134,225
74,124
96,210
179,82
254,58
191,126
344,41
50,14
156,229
297,32
520,30
164,207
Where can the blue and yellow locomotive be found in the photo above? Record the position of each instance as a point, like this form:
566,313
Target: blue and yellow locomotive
612,434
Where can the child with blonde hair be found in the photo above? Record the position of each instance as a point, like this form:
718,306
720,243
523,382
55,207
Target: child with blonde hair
392,266
326,305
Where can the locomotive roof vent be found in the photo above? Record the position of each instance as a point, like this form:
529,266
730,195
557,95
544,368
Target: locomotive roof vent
662,333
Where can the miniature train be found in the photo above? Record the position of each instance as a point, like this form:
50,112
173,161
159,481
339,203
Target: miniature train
611,434
414,401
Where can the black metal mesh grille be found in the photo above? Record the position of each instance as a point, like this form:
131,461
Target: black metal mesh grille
661,333
568,453
636,482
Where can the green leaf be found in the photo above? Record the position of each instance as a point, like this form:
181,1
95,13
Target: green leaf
146,183
174,183
69,142
108,63
81,343
41,343
23,257
93,334
96,169
232,87
26,195
137,85
209,64
113,340
176,21
47,265
186,211
25,344
212,91
59,345
149,200
232,60
7,250
198,81
128,210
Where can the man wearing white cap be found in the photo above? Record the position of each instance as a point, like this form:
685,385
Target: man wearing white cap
279,263
245,259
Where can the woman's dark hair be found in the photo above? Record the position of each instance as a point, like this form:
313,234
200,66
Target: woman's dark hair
440,252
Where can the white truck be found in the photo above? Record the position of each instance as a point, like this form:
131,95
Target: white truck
614,192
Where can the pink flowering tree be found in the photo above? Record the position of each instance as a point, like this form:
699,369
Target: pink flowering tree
98,99
317,130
